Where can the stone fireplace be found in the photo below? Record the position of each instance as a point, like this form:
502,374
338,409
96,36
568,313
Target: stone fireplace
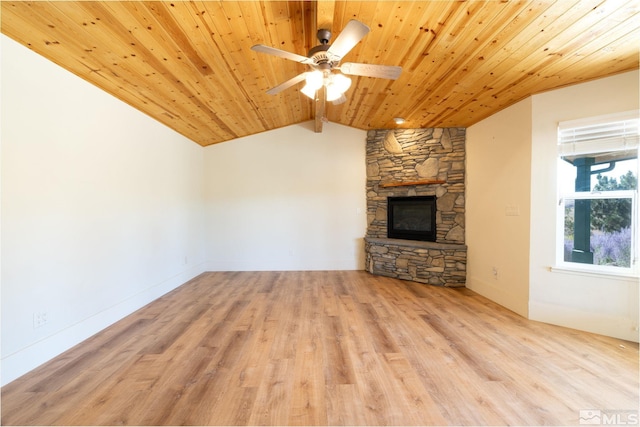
412,163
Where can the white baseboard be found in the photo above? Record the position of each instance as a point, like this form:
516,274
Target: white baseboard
284,265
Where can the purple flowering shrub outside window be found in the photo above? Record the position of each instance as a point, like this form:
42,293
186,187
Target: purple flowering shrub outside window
612,249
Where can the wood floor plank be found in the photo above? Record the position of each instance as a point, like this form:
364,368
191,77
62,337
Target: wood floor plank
272,405
419,407
326,348
337,367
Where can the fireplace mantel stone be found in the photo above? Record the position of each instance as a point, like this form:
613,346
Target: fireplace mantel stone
414,243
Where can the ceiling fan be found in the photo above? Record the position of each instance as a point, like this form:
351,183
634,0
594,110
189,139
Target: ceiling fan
325,58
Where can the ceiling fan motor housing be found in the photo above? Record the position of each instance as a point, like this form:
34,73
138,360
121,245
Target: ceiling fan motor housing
321,60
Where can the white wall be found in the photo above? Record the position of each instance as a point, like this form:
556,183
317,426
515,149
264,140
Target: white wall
498,182
102,209
599,304
288,199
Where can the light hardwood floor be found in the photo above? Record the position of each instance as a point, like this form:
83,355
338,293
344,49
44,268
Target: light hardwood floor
317,348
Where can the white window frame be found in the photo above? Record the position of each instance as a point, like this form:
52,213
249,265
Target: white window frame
632,270
614,132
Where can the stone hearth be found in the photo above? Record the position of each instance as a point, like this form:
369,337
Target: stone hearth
417,162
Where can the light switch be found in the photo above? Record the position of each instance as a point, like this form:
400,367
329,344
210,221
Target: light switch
512,210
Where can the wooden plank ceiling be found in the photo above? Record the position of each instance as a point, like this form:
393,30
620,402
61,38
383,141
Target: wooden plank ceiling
188,64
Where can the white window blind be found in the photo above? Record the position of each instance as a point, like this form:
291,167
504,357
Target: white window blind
601,134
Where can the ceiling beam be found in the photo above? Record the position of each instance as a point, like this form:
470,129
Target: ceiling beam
324,21
319,106
324,14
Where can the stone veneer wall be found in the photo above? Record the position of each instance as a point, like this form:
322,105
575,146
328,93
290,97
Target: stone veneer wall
409,155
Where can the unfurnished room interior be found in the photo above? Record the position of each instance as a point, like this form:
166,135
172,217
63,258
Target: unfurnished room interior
319,212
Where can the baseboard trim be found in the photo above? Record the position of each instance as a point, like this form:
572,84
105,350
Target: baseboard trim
247,265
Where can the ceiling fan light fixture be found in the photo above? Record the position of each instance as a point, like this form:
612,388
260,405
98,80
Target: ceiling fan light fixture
337,85
314,80
309,91
333,93
341,82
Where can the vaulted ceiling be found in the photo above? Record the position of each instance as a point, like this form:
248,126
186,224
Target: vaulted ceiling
189,65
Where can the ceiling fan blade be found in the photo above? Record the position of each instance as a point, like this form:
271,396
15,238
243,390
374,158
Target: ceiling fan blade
340,100
371,70
352,33
287,84
281,53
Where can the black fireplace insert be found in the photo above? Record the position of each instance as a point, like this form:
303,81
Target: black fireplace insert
412,218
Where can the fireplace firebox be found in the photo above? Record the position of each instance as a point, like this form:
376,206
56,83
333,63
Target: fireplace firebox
412,218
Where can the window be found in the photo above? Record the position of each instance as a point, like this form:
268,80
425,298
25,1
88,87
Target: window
598,189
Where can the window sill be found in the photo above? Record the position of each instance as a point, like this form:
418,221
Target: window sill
614,275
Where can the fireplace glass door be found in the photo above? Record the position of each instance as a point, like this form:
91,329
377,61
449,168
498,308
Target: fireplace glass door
412,218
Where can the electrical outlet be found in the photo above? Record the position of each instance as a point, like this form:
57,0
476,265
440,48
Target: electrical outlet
40,318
